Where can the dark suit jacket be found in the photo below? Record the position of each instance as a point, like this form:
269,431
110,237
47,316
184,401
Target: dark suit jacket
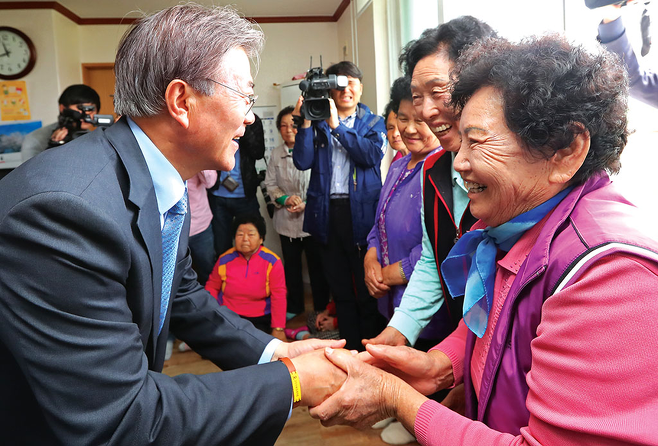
80,279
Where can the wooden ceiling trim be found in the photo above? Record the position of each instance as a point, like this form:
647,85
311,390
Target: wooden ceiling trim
129,20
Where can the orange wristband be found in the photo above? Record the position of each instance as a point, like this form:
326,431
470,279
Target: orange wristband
294,378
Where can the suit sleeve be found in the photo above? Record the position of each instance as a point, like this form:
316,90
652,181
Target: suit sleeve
67,317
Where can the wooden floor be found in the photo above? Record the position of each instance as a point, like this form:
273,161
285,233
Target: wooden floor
301,429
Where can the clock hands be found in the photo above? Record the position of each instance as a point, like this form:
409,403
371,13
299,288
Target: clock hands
7,52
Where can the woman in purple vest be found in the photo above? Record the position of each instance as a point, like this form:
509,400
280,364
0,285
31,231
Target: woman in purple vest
394,243
558,342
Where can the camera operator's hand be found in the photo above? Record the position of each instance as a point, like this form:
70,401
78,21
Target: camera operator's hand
59,134
333,119
298,112
612,12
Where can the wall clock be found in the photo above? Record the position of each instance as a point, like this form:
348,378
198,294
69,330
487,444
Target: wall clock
17,53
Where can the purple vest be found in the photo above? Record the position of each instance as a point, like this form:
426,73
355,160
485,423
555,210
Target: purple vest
592,219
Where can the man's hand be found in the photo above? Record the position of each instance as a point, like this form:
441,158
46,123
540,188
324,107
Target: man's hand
388,336
425,372
367,396
298,112
333,119
294,349
373,275
59,134
318,377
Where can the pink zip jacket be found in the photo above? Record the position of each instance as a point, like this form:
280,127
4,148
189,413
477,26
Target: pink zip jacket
250,288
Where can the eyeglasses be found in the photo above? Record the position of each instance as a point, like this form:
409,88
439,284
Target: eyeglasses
251,98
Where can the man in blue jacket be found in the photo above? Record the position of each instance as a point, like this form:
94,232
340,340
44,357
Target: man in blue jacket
344,153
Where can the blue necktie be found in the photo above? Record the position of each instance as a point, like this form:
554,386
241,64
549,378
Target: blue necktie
170,235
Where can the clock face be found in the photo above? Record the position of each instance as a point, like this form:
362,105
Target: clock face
17,53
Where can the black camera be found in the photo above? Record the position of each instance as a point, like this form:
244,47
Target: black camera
315,91
72,120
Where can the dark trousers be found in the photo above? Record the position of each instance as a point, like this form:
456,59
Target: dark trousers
263,323
224,210
202,248
358,317
292,249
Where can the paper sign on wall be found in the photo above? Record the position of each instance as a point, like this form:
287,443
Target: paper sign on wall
14,105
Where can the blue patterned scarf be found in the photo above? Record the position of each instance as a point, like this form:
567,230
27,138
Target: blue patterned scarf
469,270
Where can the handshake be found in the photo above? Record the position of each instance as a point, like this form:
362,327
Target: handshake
359,389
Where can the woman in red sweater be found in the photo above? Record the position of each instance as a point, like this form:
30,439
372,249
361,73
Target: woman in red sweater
249,278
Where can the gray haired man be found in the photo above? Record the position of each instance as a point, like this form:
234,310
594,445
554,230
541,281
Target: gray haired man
96,270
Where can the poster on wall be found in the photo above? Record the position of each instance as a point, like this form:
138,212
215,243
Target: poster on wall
11,139
267,114
14,105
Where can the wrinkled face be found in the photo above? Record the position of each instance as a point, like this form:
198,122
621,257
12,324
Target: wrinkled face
347,99
392,133
247,239
415,133
287,130
429,90
502,178
221,118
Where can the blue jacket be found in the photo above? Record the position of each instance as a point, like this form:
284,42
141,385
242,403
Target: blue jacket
364,144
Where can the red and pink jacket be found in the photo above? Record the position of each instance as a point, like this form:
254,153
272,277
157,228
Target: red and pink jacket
250,288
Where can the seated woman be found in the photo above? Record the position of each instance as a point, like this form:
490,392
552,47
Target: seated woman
249,278
559,333
394,243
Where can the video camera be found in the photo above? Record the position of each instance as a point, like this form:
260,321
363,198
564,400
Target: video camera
72,119
315,91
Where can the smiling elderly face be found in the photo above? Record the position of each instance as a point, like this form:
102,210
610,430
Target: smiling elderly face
502,178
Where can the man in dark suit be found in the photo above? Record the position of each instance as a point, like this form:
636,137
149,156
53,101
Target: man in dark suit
85,236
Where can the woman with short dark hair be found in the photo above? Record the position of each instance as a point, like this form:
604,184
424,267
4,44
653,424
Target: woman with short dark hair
249,279
558,341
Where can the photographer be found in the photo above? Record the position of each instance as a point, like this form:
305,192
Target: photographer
57,133
344,153
612,34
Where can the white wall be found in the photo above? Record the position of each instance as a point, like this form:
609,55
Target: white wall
43,82
288,48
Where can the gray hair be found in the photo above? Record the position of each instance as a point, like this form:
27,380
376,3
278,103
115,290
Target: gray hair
186,42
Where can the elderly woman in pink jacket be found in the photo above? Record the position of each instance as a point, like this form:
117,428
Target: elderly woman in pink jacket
558,340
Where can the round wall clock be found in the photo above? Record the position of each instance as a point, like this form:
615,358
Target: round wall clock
17,53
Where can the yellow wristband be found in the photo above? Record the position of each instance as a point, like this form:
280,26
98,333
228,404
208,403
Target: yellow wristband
294,378
402,274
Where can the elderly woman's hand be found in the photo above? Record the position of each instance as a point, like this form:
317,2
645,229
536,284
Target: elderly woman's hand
425,372
373,275
294,203
388,336
368,395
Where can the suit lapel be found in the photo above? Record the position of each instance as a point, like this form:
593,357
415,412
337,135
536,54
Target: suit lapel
142,195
